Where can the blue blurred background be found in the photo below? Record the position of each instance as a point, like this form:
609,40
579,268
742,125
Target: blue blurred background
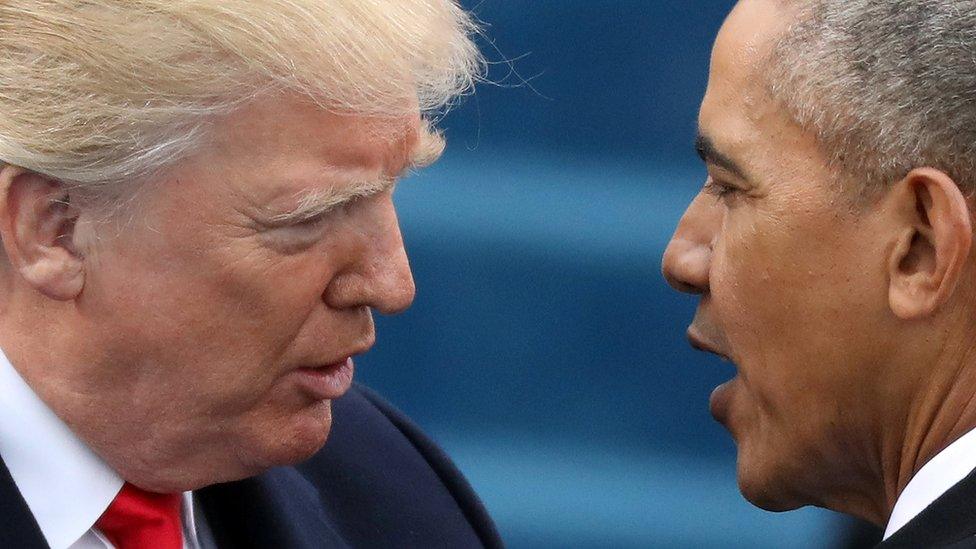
544,351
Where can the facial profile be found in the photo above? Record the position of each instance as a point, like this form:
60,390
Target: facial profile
197,227
799,282
248,293
208,227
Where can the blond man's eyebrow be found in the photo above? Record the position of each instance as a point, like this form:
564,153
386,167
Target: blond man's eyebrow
428,149
314,203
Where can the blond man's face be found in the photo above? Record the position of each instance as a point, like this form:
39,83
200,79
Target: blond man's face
229,308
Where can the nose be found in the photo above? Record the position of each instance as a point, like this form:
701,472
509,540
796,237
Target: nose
381,278
688,257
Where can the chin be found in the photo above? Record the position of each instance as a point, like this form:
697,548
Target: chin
294,442
284,439
766,500
763,485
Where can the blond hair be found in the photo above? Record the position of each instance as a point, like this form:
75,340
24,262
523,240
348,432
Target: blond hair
101,93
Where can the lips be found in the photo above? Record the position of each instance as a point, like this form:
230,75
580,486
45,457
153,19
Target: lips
702,344
328,381
720,401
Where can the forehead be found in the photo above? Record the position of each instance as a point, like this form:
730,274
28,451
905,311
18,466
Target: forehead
271,154
736,78
283,131
738,113
749,34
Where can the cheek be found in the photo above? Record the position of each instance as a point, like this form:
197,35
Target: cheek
229,307
778,273
748,287
794,301
260,304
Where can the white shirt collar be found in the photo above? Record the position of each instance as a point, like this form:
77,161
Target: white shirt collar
935,478
46,459
66,486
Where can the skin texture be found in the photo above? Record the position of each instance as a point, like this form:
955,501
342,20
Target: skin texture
846,318
169,338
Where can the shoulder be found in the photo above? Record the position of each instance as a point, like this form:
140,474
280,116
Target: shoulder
382,479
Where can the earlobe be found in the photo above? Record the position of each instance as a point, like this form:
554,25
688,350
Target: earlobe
933,241
37,223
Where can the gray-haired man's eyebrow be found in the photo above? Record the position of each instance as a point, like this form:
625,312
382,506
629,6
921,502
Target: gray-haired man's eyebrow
705,148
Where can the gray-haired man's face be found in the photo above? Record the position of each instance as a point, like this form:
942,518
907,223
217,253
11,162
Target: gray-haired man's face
789,289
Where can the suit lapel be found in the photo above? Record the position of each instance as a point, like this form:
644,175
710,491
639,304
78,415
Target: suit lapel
276,509
947,521
17,525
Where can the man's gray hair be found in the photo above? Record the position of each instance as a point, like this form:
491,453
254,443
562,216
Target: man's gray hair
886,85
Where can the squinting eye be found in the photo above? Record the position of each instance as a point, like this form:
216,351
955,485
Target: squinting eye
313,221
719,189
320,218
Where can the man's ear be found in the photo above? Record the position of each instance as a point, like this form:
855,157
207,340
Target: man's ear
934,237
37,223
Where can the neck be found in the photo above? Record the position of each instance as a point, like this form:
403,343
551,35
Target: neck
43,342
924,400
109,400
943,410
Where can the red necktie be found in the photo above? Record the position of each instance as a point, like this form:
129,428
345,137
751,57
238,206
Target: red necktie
138,519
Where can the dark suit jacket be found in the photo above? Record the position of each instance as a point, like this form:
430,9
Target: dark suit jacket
949,521
379,482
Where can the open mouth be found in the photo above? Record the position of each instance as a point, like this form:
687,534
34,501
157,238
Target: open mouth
720,400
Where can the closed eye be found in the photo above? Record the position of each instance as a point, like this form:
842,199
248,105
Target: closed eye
720,189
314,220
